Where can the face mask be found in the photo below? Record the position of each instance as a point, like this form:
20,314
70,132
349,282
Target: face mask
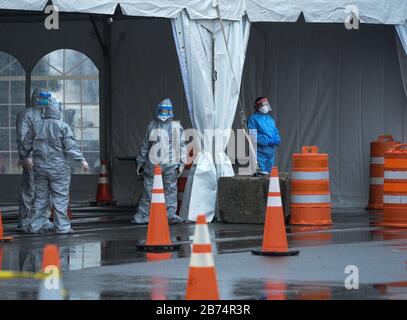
164,118
264,109
43,102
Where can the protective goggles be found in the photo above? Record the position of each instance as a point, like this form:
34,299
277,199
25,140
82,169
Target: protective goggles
165,111
44,98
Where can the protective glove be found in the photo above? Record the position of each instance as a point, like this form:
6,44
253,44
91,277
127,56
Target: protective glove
140,169
180,170
85,165
27,164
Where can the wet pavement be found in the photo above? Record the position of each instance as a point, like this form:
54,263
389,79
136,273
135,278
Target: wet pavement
101,261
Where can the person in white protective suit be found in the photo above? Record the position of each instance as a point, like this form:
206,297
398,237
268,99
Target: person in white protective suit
53,145
163,144
25,120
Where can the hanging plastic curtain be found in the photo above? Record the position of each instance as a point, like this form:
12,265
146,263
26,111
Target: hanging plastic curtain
211,101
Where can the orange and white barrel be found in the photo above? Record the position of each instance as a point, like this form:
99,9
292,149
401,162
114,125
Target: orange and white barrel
395,187
377,150
310,193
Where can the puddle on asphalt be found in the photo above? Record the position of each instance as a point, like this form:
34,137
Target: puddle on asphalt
160,288
96,254
280,290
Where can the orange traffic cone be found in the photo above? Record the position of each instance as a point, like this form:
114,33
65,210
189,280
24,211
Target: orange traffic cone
103,194
158,233
275,237
2,237
51,288
202,283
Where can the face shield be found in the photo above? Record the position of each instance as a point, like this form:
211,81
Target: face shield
40,97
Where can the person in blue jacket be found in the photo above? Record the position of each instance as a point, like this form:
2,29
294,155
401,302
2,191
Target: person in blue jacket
268,136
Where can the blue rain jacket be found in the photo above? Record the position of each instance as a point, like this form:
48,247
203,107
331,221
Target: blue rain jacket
268,137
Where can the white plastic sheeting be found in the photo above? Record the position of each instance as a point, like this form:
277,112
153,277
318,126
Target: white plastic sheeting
35,5
201,49
370,11
86,6
402,32
402,53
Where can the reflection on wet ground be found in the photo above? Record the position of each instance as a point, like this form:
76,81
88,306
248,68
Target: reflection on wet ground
158,288
106,237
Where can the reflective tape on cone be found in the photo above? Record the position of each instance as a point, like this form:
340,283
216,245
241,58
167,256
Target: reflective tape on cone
202,260
274,185
103,180
103,169
201,235
157,198
158,182
274,202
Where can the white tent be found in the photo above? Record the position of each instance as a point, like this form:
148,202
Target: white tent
200,46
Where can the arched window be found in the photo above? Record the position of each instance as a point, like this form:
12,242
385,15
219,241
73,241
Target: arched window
12,101
73,79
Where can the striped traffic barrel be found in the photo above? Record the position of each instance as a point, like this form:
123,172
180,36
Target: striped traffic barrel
377,150
395,187
310,193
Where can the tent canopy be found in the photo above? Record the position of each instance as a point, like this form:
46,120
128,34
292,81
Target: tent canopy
370,11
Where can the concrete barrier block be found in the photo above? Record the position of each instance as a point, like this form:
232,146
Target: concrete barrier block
243,199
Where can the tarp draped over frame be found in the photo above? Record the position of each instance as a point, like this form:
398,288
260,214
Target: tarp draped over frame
212,104
402,52
402,32
370,11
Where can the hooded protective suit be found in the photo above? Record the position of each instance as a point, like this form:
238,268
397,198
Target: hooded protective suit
268,137
52,144
26,120
167,136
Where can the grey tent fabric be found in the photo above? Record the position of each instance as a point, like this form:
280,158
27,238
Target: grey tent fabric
329,87
143,74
